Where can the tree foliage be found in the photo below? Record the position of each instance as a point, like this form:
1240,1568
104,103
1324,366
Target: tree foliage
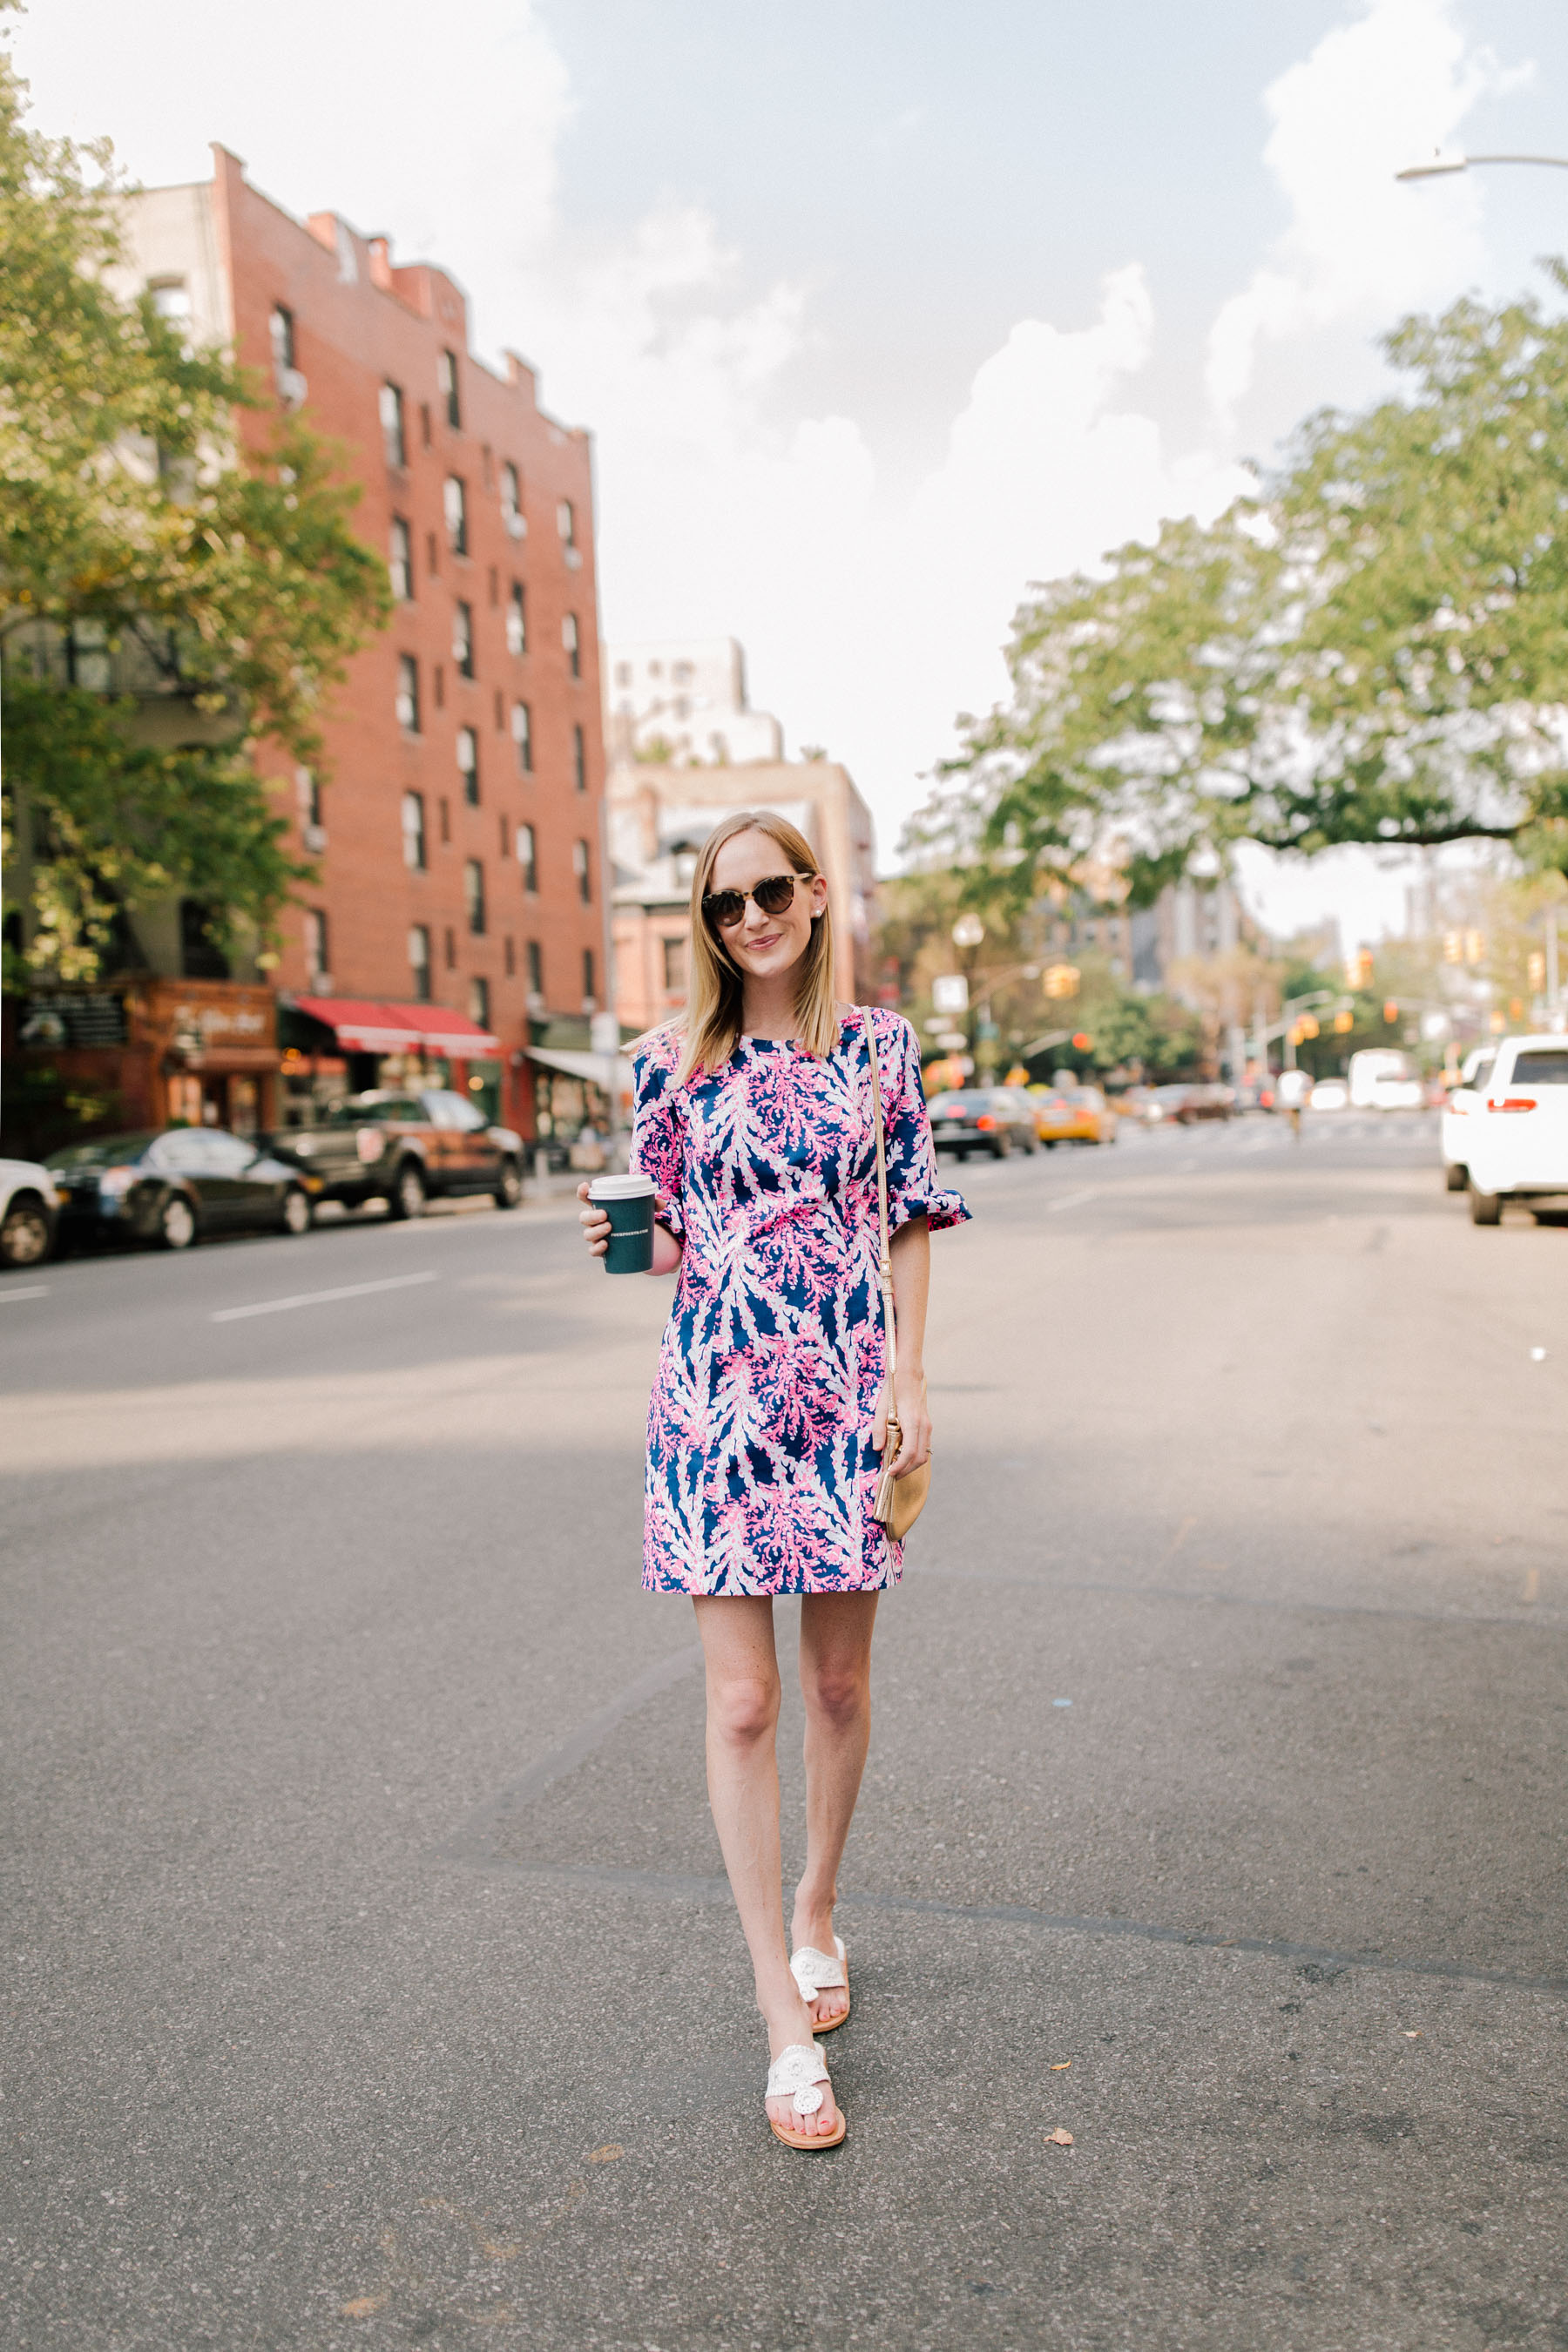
1372,649
139,514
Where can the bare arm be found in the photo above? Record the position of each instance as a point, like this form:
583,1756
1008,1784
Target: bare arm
911,1256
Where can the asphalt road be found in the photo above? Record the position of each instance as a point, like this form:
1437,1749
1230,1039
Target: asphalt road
371,1978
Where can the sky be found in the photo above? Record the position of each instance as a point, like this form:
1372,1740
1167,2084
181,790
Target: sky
881,309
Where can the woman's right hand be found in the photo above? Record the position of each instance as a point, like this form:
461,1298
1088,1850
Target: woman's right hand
594,1222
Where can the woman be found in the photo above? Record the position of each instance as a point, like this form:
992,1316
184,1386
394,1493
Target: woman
765,1430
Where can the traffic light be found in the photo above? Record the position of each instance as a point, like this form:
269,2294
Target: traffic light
1390,1009
1475,946
1358,969
1537,968
1344,1021
1453,946
1061,979
1306,1027
1082,1041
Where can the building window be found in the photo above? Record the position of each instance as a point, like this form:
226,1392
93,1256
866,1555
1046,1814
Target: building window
317,968
579,759
440,684
512,500
682,673
393,438
450,947
447,383
409,694
171,301
573,642
516,621
675,965
419,962
430,553
494,588
309,786
536,972
522,736
510,956
414,850
480,1002
455,507
424,423
566,522
623,673
590,997
525,858
474,897
401,564
282,344
580,867
445,809
499,707
463,640
469,764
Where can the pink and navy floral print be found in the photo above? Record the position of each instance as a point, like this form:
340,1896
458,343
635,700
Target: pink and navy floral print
760,1471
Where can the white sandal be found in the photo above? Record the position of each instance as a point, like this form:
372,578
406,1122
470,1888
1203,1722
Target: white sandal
799,2069
816,1972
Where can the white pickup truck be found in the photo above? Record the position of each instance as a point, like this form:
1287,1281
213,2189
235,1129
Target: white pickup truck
1518,1135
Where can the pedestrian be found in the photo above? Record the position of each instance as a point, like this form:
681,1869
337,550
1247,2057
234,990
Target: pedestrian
753,1119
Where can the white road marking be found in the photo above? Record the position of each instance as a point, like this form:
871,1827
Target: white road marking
34,1290
1069,1201
321,1297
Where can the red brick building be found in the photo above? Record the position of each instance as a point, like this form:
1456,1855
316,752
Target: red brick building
457,821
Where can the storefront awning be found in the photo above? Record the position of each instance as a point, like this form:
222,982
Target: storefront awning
583,1066
362,1026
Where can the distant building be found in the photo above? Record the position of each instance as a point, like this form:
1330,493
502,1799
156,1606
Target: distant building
685,700
659,816
458,924
1189,920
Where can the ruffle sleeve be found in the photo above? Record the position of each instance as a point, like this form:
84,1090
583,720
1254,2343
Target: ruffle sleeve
914,1187
658,1149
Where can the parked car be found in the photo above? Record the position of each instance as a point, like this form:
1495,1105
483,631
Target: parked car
1518,1134
1383,1078
997,1119
1329,1094
1467,1102
405,1148
1183,1105
176,1187
1072,1114
28,1211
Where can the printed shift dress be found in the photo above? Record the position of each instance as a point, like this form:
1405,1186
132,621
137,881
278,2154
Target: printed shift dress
760,1470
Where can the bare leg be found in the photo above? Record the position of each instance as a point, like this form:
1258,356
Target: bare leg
835,1684
743,1790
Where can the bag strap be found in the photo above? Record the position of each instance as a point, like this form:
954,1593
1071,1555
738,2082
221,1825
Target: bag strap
885,1267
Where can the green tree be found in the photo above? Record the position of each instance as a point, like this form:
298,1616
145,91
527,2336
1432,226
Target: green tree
160,524
1373,649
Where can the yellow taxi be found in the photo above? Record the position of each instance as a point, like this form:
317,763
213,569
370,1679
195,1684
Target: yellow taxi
1072,1114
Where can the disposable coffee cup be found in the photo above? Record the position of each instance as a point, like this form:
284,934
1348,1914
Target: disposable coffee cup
627,1201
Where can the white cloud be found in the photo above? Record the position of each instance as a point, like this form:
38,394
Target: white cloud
1361,246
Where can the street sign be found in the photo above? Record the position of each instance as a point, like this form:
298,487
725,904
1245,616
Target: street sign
950,993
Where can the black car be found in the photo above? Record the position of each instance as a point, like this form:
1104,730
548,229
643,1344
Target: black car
175,1187
403,1149
998,1119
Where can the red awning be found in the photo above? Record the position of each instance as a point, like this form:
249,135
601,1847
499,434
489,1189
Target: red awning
363,1027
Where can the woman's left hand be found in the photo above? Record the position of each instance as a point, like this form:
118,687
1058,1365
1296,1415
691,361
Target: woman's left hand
914,1418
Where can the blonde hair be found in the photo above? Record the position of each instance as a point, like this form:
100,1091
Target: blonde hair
714,1005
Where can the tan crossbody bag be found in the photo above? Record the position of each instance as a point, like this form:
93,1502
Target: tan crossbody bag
900,1501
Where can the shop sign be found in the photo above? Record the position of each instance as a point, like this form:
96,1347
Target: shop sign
63,1017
